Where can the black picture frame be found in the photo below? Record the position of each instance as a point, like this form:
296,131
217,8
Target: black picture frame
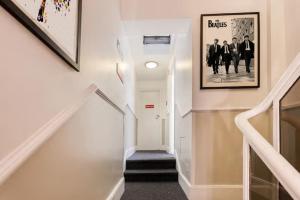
15,11
256,49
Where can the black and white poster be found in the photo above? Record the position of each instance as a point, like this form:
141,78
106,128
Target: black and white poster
230,51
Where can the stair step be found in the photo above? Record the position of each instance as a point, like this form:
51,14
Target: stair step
153,175
151,164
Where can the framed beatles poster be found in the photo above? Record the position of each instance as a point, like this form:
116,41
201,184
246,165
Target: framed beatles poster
230,51
55,22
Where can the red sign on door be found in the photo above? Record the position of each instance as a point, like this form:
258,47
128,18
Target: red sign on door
149,106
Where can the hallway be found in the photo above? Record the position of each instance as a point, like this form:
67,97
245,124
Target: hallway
152,175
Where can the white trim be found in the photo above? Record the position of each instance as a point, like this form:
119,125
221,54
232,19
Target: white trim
117,191
196,192
185,184
129,152
288,176
183,181
291,105
162,147
13,160
131,110
246,170
235,108
183,112
10,163
214,109
165,148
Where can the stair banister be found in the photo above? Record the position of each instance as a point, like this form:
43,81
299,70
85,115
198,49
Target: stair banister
287,175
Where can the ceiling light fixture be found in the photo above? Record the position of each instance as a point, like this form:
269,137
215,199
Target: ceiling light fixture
151,64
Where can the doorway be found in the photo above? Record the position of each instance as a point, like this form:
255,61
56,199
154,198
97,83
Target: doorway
159,49
150,122
152,113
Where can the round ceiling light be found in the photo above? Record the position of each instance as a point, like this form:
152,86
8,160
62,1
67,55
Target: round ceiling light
151,64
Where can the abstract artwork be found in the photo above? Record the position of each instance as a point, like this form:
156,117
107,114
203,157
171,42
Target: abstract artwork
230,51
56,22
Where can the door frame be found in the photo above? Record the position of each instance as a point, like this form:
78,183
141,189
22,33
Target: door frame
138,147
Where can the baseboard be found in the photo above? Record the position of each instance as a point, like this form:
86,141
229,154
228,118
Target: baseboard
183,181
163,147
129,152
117,191
207,192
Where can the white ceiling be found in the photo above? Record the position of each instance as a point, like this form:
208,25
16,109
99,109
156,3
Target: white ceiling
135,30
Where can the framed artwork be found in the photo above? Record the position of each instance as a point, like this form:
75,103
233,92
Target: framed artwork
230,51
55,22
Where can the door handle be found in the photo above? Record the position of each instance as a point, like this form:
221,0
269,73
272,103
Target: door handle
157,117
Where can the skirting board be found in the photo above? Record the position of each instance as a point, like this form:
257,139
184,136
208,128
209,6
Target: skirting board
117,191
128,152
163,148
208,192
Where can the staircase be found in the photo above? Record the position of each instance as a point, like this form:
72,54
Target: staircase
151,166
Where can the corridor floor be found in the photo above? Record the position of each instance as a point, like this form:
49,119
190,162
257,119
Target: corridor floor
136,186
153,191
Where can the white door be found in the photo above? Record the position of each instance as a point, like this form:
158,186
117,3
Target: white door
149,123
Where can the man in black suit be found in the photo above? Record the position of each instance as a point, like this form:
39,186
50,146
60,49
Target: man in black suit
226,56
214,55
235,53
247,52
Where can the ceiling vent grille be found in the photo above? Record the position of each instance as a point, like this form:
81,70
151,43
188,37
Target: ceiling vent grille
157,39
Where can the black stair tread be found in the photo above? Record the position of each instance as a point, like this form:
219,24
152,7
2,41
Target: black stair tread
153,160
150,171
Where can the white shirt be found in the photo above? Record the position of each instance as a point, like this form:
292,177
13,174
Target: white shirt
226,49
247,46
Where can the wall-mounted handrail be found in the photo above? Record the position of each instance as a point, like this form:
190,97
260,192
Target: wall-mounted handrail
287,175
10,163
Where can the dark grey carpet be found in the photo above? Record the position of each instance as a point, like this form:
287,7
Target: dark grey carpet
153,191
151,155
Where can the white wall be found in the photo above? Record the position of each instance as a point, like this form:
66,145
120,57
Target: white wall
207,99
36,84
187,73
81,161
292,28
184,142
284,31
183,72
129,131
183,102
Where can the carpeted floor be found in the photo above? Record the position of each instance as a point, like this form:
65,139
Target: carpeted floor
151,155
153,191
